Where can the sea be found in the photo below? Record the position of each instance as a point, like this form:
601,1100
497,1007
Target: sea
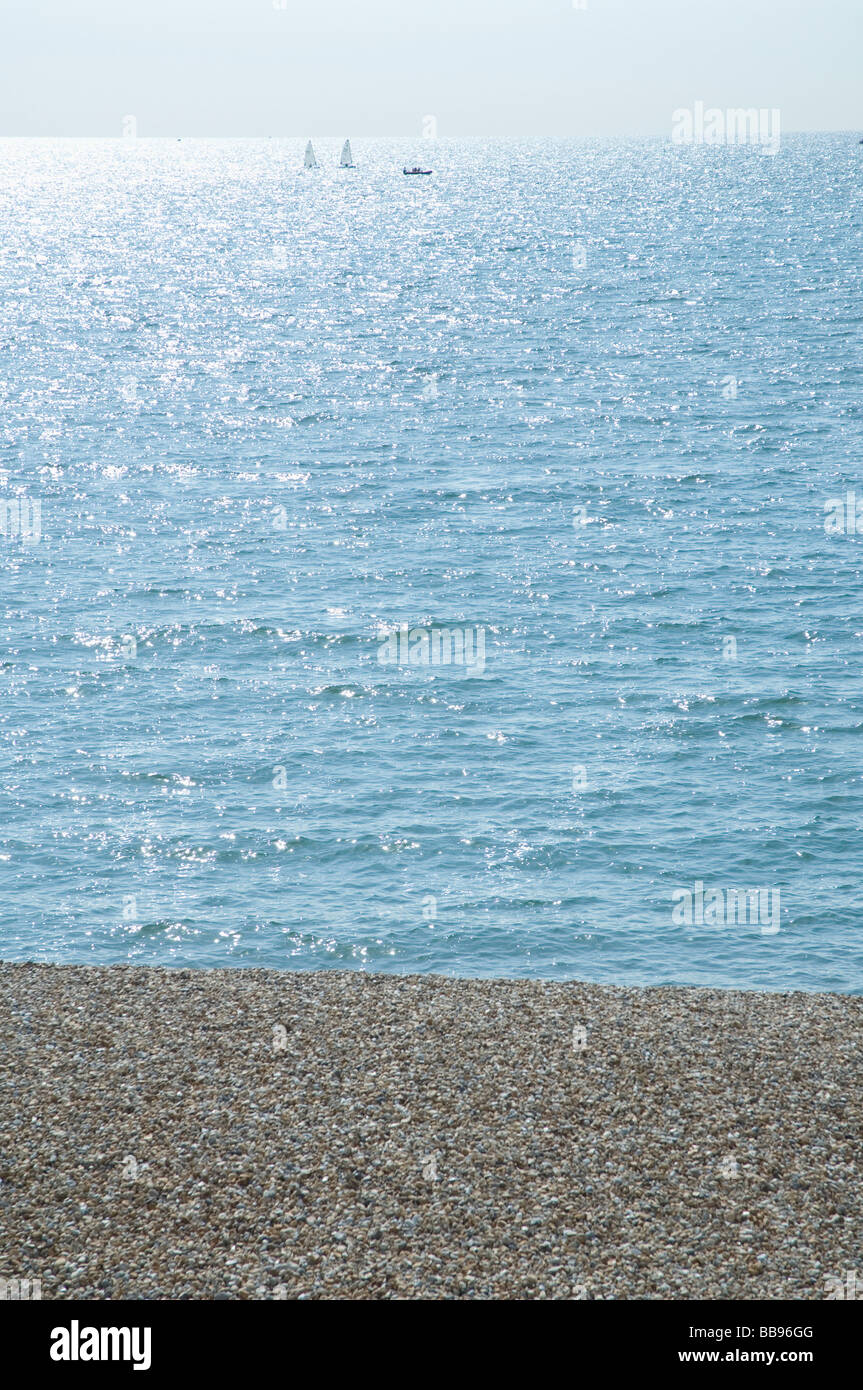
454,574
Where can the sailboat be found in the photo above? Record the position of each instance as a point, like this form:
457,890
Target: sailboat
347,159
310,161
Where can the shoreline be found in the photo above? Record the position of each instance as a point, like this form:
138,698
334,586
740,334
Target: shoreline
175,1133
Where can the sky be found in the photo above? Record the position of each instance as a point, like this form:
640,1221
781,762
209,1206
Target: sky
492,68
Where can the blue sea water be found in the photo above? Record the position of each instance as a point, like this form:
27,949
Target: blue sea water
590,398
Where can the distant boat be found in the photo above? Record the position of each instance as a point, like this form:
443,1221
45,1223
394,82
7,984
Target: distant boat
310,161
347,159
416,169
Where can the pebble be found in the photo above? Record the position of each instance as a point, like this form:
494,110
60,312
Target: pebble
303,1171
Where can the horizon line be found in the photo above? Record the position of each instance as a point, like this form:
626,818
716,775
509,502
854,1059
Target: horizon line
424,139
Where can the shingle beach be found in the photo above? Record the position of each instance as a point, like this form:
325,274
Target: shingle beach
259,1134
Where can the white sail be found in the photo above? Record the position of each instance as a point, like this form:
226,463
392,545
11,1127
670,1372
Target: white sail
347,160
311,162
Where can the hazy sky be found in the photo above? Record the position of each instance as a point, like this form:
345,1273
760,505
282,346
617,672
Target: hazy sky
377,67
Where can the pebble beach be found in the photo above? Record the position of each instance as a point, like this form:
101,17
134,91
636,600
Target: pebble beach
259,1134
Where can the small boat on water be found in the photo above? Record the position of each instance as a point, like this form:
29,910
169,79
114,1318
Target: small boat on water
310,162
347,159
415,169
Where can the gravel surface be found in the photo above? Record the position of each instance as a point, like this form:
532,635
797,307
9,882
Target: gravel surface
262,1134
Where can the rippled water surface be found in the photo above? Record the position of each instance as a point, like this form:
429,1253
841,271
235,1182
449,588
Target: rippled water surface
588,398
